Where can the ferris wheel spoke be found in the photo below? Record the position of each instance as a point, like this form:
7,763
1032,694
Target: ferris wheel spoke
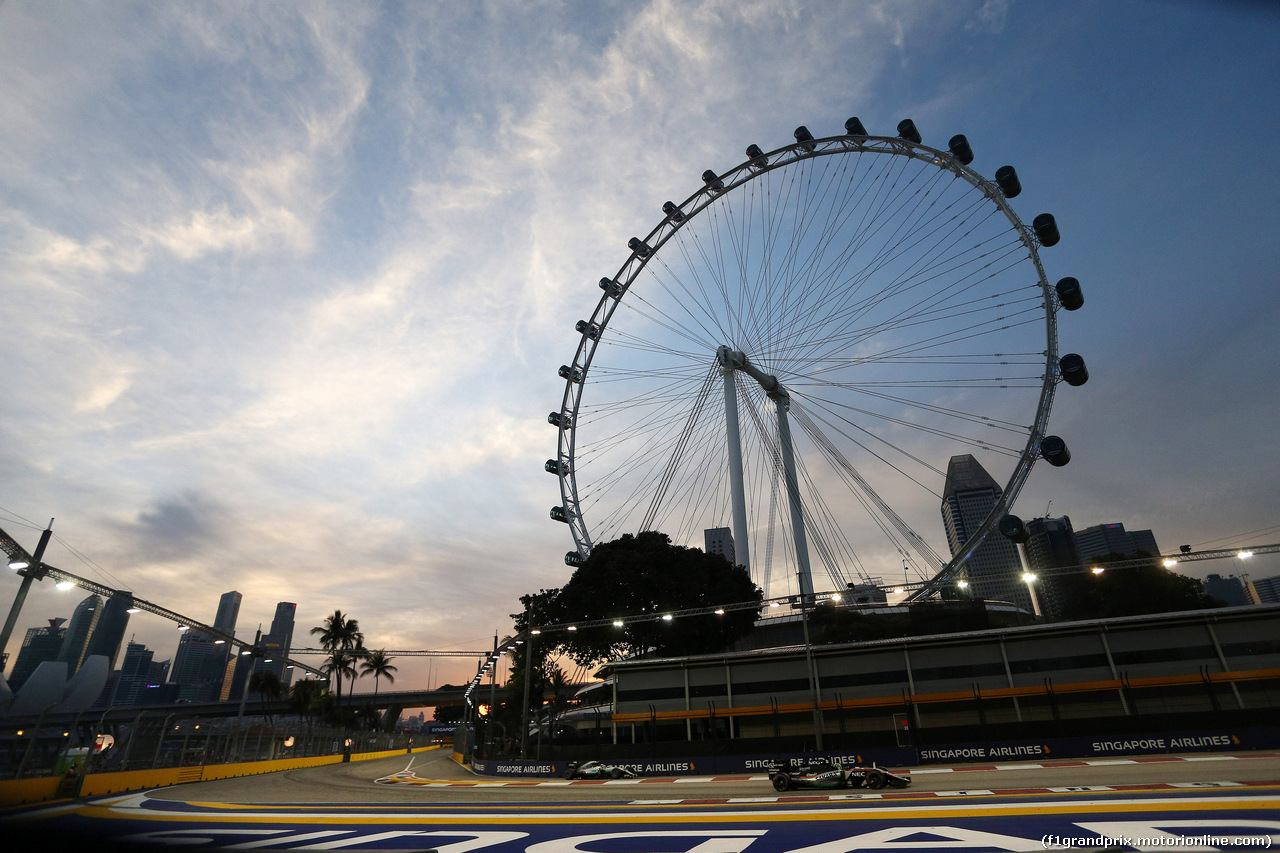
883,508
673,462
937,430
855,338
944,298
876,293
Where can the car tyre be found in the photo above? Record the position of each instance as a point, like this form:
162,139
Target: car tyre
615,773
876,779
782,782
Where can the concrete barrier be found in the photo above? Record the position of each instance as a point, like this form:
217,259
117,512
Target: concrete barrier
23,791
16,792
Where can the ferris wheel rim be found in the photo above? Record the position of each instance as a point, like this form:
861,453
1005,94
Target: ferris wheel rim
736,178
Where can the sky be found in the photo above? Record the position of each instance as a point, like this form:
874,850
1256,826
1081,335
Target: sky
284,287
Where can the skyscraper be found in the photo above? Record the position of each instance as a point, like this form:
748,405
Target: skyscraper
276,643
1104,539
1052,545
1229,590
134,672
228,612
1268,590
201,660
994,570
39,645
108,634
75,645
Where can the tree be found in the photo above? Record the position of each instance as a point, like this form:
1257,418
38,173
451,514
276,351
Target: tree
268,687
645,576
379,665
560,689
1130,591
340,636
307,698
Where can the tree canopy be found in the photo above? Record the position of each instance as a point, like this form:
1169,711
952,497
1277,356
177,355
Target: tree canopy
341,637
1128,591
644,575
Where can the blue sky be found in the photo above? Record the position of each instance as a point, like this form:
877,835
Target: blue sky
285,286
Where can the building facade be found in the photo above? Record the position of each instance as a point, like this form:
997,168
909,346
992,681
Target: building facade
276,643
1268,590
994,570
1230,590
1050,549
108,634
201,660
38,646
719,540
75,645
1102,540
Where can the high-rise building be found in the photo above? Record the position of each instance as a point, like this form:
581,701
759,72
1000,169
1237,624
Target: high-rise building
157,672
135,672
228,612
1051,546
1268,590
1229,590
1144,541
201,660
719,540
1102,540
994,570
276,643
108,634
75,645
38,646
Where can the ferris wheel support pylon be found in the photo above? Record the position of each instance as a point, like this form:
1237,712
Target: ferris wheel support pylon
741,547
731,361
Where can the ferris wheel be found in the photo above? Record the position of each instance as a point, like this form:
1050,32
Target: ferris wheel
798,348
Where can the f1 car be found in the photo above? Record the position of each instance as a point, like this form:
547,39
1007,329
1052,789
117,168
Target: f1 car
596,770
786,775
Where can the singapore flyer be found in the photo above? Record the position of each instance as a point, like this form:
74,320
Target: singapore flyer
796,350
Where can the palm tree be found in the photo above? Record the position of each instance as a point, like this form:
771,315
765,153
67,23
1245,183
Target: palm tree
560,687
267,685
379,665
341,637
339,663
306,699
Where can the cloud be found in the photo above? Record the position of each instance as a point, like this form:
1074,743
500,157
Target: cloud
286,286
991,17
179,527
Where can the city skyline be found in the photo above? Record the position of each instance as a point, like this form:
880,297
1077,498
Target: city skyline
288,286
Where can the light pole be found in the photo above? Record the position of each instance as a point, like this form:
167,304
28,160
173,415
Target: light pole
35,733
30,570
811,666
530,633
252,654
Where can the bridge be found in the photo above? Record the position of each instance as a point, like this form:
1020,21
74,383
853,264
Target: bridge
392,703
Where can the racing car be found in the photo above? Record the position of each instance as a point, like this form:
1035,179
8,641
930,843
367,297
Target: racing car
596,770
786,775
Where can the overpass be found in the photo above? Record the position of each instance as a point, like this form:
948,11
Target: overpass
387,701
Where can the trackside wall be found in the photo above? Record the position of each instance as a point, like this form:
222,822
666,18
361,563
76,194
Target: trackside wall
22,791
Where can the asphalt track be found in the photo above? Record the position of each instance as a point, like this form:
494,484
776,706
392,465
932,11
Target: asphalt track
426,801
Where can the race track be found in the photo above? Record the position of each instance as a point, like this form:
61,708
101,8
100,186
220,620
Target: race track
426,801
